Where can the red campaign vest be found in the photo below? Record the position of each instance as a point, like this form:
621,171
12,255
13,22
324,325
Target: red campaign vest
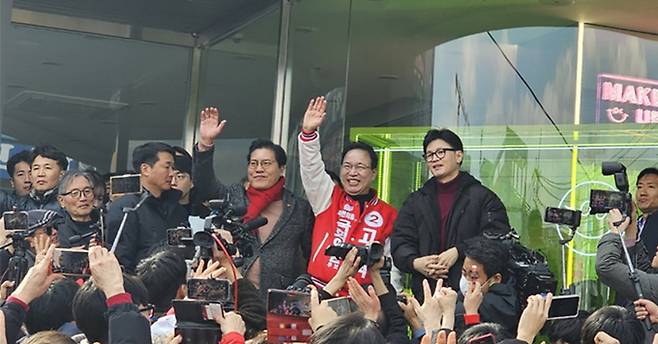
342,222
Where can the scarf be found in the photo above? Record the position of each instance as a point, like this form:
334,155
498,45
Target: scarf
261,199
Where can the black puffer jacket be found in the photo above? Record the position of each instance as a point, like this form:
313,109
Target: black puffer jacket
145,228
416,230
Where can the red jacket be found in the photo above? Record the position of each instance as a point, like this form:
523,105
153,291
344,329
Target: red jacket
338,217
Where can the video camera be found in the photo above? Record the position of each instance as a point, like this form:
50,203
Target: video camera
22,225
370,255
602,201
226,213
528,267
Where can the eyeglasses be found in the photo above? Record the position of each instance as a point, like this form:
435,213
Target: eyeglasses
438,154
359,167
253,164
76,193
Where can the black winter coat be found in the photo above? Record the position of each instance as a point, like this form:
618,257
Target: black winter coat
67,227
127,326
145,228
650,234
416,230
500,305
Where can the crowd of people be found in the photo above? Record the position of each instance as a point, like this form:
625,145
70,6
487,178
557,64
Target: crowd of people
133,284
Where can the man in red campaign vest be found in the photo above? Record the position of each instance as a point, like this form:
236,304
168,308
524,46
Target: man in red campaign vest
350,213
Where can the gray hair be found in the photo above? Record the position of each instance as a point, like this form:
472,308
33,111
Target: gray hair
68,178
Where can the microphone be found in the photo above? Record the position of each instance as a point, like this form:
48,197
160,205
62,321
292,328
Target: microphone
254,224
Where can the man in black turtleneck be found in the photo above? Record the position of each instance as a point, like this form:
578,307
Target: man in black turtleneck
76,196
146,227
47,168
429,233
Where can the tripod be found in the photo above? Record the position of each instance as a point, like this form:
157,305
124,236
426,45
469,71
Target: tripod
563,245
632,272
18,263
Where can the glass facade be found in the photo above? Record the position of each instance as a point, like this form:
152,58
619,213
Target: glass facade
538,108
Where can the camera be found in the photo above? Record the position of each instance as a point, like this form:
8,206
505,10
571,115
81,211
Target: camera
210,289
125,185
528,267
15,220
370,255
226,213
195,321
563,216
601,201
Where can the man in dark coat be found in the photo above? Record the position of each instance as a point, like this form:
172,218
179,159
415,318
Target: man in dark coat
48,165
487,293
646,198
431,226
146,227
283,245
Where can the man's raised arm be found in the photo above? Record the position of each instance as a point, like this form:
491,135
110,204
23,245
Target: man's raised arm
317,183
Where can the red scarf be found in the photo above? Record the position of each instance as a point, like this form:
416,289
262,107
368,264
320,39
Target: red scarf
261,199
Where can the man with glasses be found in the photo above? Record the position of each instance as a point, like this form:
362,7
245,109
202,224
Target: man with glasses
282,246
429,234
76,197
350,214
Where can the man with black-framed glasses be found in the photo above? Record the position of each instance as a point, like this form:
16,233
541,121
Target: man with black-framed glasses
434,221
76,197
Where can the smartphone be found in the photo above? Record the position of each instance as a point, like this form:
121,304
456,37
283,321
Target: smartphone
195,321
125,184
209,289
564,307
563,216
71,261
289,303
15,220
342,305
287,316
488,338
179,237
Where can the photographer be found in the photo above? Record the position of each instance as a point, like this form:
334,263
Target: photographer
145,228
282,246
434,221
611,264
47,167
76,197
351,214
